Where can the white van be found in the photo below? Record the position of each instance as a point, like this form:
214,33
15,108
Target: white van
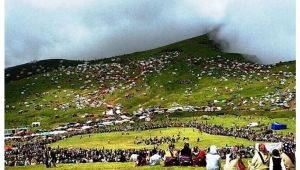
253,124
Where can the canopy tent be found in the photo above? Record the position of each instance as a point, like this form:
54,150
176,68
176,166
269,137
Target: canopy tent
57,132
278,126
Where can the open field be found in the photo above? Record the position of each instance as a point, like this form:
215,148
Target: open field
119,141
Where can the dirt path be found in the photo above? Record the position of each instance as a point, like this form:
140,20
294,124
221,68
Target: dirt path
293,104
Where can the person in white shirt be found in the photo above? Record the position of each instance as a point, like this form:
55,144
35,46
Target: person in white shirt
133,157
154,159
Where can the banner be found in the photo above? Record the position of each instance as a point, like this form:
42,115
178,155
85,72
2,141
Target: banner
270,146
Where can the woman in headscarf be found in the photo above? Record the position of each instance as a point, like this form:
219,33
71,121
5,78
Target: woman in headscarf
288,156
213,159
260,160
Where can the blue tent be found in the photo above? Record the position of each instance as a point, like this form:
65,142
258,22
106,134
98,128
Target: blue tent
278,126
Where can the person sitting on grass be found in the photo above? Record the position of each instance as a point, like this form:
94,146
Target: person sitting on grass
141,159
154,159
185,155
171,156
233,160
33,161
260,160
276,163
133,157
123,157
288,156
198,156
213,159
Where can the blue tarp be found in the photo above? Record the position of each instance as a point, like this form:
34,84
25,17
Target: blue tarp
278,126
8,134
46,133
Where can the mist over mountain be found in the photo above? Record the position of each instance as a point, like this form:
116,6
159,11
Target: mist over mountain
89,29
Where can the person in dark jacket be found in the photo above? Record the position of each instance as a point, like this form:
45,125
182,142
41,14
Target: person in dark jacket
52,157
46,157
186,155
276,163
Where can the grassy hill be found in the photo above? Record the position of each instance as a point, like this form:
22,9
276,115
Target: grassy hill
191,72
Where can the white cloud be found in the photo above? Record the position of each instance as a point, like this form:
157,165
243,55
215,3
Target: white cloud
88,29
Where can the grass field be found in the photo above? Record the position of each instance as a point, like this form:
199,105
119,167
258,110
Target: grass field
119,141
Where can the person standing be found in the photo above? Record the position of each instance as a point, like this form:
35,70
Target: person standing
52,157
213,159
46,158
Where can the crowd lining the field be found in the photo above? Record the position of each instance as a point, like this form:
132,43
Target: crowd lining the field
32,152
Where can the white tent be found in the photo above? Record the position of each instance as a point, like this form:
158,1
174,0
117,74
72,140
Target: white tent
90,121
142,117
119,122
35,124
110,112
85,127
107,123
125,117
118,111
57,132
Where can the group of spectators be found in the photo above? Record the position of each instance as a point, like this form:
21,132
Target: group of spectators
209,157
31,152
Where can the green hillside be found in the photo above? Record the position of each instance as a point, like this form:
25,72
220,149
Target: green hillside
191,72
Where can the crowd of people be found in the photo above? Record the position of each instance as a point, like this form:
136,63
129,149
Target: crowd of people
33,150
263,135
195,156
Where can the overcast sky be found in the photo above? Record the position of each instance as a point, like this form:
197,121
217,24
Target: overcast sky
89,29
